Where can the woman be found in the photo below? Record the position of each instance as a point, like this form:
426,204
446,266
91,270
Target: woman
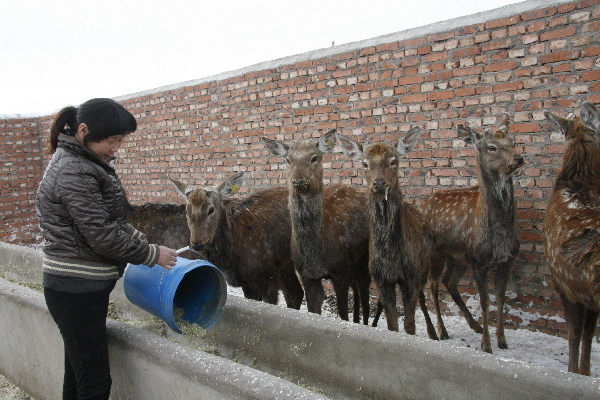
82,209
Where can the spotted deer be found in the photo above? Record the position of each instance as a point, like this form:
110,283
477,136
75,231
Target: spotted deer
248,239
571,232
400,243
330,236
476,228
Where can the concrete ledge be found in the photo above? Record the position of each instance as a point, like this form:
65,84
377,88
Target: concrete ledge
350,361
344,360
144,366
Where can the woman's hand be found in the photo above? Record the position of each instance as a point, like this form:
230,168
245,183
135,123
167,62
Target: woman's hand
167,257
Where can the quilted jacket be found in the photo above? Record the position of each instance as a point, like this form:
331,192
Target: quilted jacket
82,213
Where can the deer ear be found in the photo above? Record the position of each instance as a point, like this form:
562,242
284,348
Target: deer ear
408,141
181,187
504,124
232,185
327,142
467,134
350,147
276,147
562,123
589,116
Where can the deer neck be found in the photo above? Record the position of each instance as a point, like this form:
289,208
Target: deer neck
385,213
308,239
220,246
496,202
306,213
581,169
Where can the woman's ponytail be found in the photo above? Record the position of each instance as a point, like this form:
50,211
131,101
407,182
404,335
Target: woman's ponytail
65,122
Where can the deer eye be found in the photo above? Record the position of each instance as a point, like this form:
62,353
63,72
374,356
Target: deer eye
393,163
492,147
365,165
211,210
287,160
313,159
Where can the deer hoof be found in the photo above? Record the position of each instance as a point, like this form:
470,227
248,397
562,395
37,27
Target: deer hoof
502,345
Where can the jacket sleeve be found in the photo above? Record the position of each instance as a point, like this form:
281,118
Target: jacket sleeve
80,190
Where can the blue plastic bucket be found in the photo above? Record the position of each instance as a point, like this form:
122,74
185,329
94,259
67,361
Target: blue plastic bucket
195,286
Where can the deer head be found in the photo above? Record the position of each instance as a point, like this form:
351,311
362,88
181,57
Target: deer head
380,160
581,159
205,209
584,129
496,154
304,161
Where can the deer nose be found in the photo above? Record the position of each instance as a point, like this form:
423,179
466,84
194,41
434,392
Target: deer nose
519,159
197,246
378,185
300,184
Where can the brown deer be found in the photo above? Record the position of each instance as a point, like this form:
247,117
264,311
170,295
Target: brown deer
571,232
248,239
400,243
476,228
330,235
163,223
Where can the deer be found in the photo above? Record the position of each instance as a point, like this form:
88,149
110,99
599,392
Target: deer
329,227
571,232
248,239
400,243
476,228
163,223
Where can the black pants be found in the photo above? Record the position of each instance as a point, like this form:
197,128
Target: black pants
81,319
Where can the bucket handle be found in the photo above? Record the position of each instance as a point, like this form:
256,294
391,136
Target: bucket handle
186,248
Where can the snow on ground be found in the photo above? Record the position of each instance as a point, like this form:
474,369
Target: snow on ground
536,348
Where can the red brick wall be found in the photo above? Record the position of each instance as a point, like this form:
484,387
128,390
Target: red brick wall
20,172
520,64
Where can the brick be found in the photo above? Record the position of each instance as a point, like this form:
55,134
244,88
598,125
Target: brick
501,66
560,56
538,14
449,94
466,52
503,22
588,3
438,37
558,33
417,98
477,70
507,87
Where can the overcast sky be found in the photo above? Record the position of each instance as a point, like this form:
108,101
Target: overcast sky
61,52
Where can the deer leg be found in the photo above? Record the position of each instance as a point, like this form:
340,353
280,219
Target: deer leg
430,328
434,287
356,304
574,318
315,295
361,301
341,294
365,303
292,290
437,266
271,294
387,299
251,293
409,301
450,278
502,275
481,280
589,328
377,314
